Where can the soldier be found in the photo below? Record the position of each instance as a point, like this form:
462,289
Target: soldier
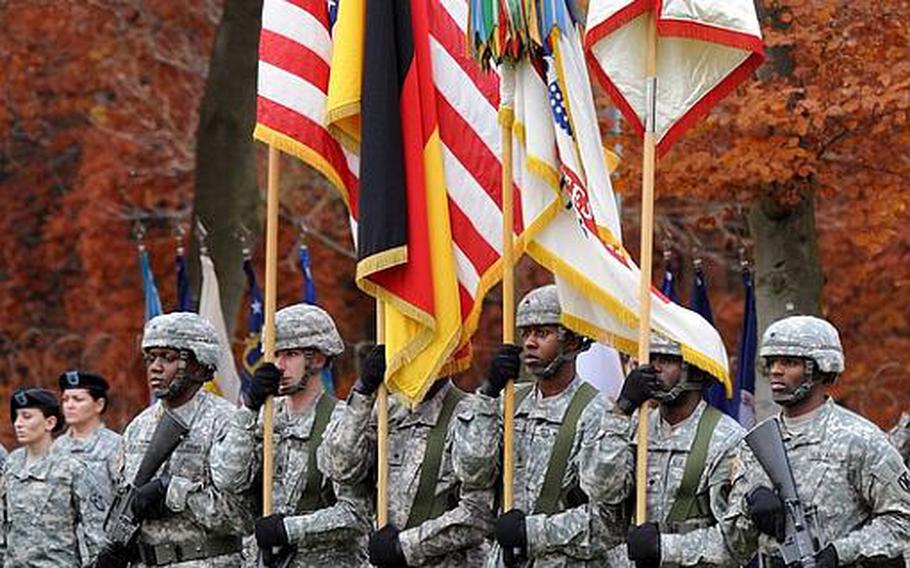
85,400
442,471
317,522
900,436
690,452
51,508
572,459
186,521
852,480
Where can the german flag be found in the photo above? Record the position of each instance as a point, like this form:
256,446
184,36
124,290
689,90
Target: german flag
405,253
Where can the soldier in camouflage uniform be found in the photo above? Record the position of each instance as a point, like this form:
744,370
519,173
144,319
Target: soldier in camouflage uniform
690,453
900,437
327,523
186,521
442,471
51,507
853,481
84,400
573,464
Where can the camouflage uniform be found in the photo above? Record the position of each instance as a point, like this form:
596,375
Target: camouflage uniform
51,511
99,451
3,455
843,464
332,536
198,512
596,481
469,465
900,437
698,541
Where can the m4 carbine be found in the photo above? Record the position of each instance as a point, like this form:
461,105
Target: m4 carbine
800,544
121,524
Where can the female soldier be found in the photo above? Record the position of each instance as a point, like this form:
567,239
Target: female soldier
51,509
84,399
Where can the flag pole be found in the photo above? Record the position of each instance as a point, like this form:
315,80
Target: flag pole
647,238
382,433
268,330
506,120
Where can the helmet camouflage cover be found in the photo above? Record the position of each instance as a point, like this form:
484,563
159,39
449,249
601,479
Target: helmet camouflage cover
661,345
808,337
539,307
184,331
302,326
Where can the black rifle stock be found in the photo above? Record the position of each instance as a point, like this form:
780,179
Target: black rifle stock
121,525
801,542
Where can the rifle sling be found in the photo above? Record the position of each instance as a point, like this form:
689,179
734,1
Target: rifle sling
312,492
548,499
425,500
686,506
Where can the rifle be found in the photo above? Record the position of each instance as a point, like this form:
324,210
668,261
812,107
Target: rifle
120,524
801,542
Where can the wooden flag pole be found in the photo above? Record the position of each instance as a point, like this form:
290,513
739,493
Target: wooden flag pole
506,120
268,331
647,245
382,434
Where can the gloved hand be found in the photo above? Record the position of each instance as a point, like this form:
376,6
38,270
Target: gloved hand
149,500
270,532
512,536
505,365
767,512
638,388
827,557
385,548
266,380
643,544
373,371
112,556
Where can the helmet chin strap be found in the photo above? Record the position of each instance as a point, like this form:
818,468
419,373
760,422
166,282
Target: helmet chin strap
800,393
563,356
182,382
308,372
672,395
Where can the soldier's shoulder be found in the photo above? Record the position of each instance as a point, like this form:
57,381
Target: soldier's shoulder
593,413
219,405
15,460
109,435
846,423
729,429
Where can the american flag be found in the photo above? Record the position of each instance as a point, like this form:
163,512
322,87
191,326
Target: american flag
295,63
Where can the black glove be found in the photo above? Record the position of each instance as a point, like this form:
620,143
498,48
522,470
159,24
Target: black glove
270,532
112,556
827,557
767,512
504,366
643,544
266,380
638,388
149,500
373,371
385,548
512,536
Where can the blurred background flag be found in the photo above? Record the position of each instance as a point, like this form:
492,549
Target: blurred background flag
226,383
184,301
744,385
252,345
149,290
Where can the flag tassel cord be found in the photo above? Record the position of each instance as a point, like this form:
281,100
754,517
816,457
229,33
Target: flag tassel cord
647,238
268,332
506,120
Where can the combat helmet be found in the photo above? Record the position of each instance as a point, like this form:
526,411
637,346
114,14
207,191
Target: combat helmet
302,326
185,331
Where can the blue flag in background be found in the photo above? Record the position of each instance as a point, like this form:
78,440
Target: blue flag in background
149,290
252,350
184,304
715,395
306,269
309,297
668,286
743,396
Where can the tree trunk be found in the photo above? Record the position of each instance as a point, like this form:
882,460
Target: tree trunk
788,274
226,193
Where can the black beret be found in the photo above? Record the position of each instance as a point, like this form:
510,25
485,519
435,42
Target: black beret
83,380
36,398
